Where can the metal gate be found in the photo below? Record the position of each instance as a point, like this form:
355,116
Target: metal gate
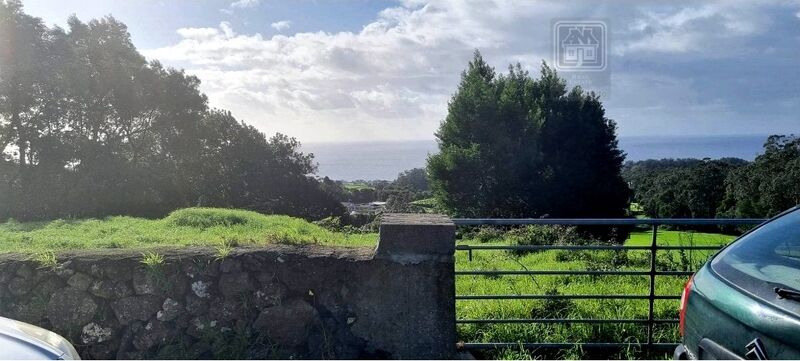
654,273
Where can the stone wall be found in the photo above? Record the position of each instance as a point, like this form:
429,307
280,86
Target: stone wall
279,301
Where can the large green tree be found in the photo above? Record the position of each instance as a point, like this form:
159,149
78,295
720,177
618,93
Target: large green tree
517,146
89,127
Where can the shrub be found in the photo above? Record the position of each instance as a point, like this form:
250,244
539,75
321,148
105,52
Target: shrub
488,234
535,235
543,235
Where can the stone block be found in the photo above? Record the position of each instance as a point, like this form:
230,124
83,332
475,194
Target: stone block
413,238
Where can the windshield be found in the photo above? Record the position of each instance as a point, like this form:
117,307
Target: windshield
768,256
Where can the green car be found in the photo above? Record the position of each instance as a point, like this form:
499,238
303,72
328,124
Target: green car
745,302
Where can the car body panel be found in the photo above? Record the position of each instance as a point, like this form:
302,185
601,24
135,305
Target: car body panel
22,341
731,318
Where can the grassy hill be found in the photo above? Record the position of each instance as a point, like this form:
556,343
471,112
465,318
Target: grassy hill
186,227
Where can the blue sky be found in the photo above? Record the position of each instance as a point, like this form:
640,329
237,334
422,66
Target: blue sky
154,23
384,70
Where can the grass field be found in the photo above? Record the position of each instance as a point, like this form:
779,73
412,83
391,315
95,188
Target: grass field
185,227
356,186
574,284
667,237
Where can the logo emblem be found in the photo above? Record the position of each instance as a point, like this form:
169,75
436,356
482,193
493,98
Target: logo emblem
755,350
580,45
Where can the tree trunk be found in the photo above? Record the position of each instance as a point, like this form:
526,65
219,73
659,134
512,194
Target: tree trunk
21,143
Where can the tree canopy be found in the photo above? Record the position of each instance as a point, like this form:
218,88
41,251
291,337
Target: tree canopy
415,180
89,127
680,188
723,188
517,146
768,185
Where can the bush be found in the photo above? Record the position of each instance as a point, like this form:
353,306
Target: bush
543,235
488,234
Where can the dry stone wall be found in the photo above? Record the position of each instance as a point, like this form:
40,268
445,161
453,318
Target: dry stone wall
280,301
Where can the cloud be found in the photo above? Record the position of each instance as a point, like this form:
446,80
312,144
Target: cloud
239,4
714,29
242,4
392,79
281,25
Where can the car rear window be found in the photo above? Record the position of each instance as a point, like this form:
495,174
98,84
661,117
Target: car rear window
766,258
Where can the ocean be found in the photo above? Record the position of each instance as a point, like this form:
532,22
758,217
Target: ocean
384,160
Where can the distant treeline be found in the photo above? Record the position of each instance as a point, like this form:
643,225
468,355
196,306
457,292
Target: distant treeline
89,128
727,187
410,185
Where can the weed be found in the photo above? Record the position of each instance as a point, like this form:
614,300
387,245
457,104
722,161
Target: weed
152,260
223,250
46,259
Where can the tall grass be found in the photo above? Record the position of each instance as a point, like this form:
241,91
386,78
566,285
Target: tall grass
186,227
572,285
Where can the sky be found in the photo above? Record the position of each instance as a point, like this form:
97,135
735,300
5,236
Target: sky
344,71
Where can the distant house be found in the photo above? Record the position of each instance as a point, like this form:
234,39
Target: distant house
580,46
364,208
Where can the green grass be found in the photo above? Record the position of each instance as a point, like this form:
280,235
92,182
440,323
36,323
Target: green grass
211,227
575,284
355,186
678,238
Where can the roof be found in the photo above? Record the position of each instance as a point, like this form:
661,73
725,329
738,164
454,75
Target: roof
580,36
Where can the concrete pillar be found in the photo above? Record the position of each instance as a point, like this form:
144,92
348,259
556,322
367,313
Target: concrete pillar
423,246
412,238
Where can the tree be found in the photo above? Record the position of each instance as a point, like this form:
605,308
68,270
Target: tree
400,202
768,185
515,146
680,188
89,128
415,180
24,78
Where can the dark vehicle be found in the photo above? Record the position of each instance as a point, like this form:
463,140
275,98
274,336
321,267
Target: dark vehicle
745,302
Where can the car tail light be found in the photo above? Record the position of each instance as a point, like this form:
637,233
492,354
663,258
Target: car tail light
684,303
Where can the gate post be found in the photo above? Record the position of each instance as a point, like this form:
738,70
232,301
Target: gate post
423,245
652,297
